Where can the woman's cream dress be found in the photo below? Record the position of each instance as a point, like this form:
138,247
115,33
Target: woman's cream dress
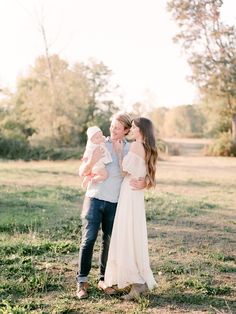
128,259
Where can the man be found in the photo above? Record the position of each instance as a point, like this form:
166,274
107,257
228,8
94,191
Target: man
100,204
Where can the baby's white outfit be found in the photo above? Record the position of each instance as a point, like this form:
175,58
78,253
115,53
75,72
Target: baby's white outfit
90,147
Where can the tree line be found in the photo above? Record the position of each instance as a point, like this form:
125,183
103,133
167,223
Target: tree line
55,102
50,111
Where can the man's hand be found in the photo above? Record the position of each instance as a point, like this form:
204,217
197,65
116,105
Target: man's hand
138,184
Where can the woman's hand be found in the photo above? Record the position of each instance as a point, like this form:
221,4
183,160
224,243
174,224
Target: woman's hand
118,147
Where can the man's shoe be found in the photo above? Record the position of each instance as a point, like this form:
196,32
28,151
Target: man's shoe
108,290
81,292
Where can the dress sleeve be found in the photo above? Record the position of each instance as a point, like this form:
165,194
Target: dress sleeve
134,165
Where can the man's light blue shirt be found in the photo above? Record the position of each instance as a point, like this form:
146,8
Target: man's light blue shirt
109,189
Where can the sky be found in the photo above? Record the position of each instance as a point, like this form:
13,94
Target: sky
132,37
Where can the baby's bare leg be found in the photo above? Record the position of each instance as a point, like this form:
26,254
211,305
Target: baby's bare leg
86,181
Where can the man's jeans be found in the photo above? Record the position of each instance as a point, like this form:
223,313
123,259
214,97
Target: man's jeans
95,213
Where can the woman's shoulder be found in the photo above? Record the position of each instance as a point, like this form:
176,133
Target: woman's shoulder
137,148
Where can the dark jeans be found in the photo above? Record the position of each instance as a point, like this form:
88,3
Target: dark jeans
95,213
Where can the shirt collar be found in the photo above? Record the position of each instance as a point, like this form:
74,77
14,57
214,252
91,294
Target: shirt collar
108,139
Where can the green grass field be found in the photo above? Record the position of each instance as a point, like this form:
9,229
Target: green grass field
191,219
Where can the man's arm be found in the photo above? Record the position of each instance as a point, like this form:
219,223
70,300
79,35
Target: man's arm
138,184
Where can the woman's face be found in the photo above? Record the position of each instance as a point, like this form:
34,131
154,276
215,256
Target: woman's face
135,132
117,130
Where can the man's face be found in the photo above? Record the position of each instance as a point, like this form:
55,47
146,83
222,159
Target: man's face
117,130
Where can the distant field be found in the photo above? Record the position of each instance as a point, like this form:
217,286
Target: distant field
191,219
187,146
189,140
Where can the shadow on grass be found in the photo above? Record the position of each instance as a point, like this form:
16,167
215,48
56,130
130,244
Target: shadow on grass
188,301
181,302
197,184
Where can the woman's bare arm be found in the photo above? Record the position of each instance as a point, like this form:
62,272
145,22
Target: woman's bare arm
140,183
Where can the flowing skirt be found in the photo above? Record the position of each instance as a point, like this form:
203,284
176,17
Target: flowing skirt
128,259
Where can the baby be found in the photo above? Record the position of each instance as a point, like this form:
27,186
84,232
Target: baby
99,172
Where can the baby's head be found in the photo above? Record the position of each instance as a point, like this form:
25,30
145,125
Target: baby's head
95,135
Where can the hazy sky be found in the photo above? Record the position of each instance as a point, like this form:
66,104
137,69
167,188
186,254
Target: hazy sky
132,37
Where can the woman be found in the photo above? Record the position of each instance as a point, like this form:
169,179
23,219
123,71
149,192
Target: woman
128,259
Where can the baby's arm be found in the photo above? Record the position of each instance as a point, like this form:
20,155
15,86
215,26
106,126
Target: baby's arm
86,180
100,175
88,163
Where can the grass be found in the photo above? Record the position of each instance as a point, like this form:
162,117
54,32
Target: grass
191,228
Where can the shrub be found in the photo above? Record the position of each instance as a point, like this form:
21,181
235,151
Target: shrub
20,149
173,149
13,148
223,146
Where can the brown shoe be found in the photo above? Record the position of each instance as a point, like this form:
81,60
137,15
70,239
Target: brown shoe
136,292
108,290
82,290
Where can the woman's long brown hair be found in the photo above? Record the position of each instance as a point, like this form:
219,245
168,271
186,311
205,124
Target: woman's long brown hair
149,143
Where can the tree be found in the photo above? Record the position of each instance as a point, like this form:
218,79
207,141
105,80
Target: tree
210,46
184,121
158,117
83,96
99,99
11,126
33,103
138,109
